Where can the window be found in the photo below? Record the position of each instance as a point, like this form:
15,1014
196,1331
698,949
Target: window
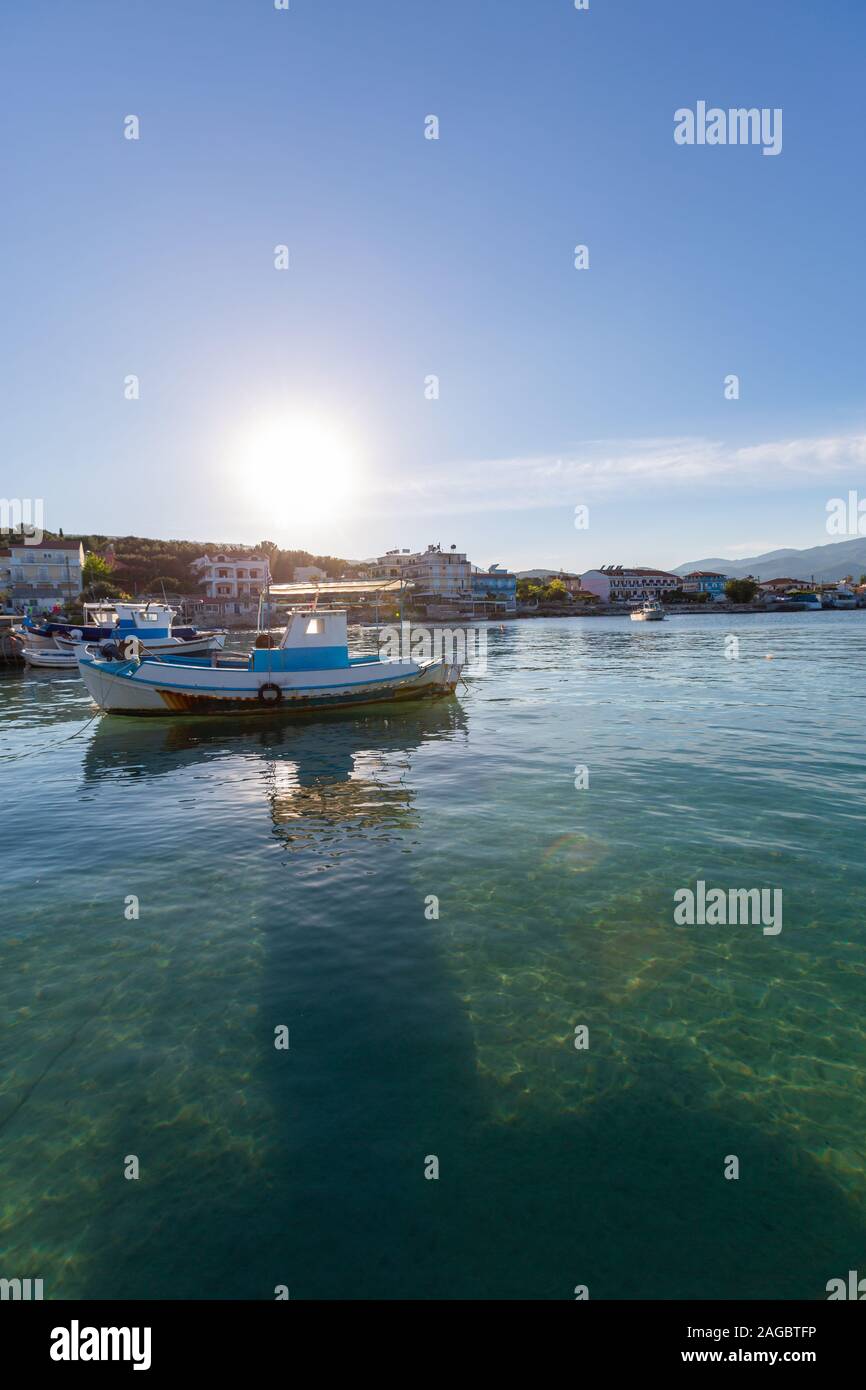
315,626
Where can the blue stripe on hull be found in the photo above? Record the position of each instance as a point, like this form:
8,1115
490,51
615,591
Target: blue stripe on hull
124,670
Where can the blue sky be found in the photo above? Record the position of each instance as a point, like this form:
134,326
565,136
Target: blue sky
290,405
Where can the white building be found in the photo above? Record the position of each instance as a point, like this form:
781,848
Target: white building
46,576
230,575
306,574
434,572
619,584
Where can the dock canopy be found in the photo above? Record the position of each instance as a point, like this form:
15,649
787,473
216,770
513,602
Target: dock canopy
340,588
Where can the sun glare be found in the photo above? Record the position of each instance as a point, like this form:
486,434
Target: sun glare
301,465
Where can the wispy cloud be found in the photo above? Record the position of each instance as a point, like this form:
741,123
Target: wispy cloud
599,468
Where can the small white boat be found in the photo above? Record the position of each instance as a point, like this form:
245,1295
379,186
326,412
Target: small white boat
649,612
309,670
52,657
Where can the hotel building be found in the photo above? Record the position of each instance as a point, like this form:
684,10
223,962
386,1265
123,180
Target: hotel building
618,584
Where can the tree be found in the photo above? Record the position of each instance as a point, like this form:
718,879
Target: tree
741,590
94,570
556,592
526,590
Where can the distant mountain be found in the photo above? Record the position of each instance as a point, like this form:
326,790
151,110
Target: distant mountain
823,563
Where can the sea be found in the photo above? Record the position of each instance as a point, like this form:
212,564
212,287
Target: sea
395,1004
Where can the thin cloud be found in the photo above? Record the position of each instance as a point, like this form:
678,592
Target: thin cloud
600,468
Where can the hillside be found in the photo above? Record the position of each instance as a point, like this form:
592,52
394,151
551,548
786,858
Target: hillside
139,563
823,563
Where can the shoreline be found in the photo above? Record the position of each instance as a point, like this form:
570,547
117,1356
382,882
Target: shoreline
608,611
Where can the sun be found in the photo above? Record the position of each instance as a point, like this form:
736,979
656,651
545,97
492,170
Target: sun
300,465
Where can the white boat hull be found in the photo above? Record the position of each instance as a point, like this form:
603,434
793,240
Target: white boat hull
169,646
647,617
154,687
51,657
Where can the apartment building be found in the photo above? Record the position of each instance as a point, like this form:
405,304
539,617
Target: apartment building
229,575
43,577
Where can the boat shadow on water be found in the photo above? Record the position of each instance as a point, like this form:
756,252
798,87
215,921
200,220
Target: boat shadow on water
305,1167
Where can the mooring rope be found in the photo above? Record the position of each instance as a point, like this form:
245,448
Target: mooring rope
54,743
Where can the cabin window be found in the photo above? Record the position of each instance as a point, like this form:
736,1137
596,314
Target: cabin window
314,626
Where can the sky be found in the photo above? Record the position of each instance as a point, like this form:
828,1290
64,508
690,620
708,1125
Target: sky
161,375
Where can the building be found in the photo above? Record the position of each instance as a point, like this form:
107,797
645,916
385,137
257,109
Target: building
438,574
705,582
390,565
619,584
783,586
229,575
495,587
305,574
44,577
434,573
222,612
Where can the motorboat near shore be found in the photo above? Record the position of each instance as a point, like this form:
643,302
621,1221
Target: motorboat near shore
310,669
649,612
151,623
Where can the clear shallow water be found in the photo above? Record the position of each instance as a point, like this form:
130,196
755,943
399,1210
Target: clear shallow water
282,872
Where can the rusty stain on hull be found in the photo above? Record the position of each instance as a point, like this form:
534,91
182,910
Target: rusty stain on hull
182,703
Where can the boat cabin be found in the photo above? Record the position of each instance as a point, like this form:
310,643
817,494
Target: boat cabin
144,620
314,640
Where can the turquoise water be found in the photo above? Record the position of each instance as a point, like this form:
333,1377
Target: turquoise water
282,872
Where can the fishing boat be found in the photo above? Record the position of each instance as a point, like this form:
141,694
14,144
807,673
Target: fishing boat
649,612
151,623
310,669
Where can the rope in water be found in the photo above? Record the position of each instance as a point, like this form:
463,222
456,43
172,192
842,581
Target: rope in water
54,743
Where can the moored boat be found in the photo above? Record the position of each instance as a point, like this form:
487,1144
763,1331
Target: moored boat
151,623
310,669
51,657
649,612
